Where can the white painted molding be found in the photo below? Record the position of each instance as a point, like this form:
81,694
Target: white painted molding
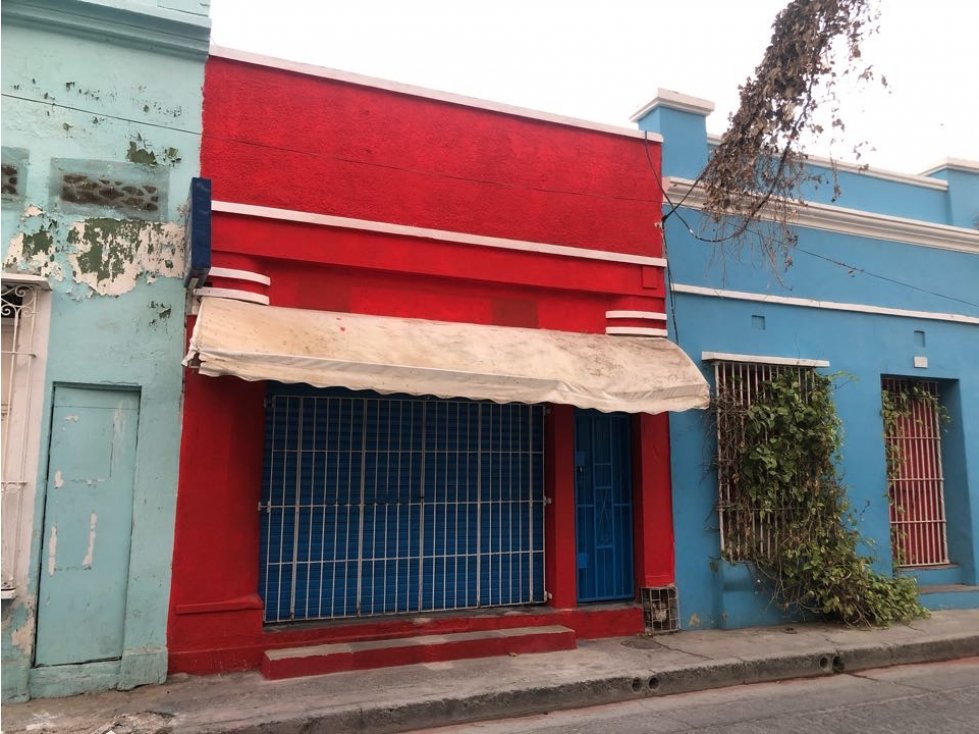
414,91
955,164
697,290
441,235
38,281
653,315
916,179
143,25
233,294
856,222
674,101
633,331
762,359
235,274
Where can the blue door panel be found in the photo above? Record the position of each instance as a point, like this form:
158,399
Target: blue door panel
603,506
87,525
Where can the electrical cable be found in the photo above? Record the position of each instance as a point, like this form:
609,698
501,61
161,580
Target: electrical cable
674,208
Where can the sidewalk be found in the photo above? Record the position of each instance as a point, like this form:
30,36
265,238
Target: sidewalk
416,696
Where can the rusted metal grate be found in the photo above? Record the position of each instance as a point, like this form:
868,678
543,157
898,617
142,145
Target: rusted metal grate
915,482
659,606
737,385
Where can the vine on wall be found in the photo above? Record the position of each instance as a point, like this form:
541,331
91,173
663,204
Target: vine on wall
784,465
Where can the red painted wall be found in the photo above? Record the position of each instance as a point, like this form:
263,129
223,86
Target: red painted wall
279,139
286,140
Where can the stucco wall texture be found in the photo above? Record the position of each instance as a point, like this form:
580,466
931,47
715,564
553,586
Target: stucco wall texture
889,268
117,108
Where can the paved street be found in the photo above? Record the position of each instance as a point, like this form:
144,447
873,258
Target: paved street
938,697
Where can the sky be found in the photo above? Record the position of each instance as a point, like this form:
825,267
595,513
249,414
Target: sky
601,60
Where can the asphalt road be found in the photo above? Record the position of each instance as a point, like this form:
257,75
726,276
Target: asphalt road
938,697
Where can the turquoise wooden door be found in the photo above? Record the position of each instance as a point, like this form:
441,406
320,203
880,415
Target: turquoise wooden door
87,526
603,506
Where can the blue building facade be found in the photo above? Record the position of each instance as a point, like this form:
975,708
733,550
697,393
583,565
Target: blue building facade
883,291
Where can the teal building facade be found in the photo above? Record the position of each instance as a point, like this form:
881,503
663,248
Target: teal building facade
101,137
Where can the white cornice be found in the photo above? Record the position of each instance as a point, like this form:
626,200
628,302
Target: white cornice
674,101
699,290
915,179
236,274
634,331
38,281
759,359
136,25
627,314
954,164
856,222
409,89
441,235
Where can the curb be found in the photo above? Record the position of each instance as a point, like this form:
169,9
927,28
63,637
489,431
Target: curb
723,673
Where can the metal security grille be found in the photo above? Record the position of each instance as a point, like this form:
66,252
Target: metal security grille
18,312
737,386
915,481
385,505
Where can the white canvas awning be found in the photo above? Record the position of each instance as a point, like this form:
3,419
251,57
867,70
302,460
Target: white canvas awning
449,360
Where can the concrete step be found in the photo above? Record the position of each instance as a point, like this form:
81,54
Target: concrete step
295,662
949,596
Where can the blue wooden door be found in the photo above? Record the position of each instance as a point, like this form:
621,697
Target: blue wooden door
603,503
87,526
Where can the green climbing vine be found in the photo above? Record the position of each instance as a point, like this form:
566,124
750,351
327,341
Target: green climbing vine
794,525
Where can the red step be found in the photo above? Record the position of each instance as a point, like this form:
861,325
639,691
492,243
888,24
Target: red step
294,662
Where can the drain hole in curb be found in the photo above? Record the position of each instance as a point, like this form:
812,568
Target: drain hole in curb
838,665
653,683
636,684
824,662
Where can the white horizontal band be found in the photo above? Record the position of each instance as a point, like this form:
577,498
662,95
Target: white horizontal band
38,281
441,235
758,359
633,331
234,294
828,305
654,315
674,101
235,274
915,179
392,86
856,222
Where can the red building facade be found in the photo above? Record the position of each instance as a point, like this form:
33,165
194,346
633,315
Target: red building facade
308,513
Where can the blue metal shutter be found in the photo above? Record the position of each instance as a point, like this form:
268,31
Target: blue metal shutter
392,504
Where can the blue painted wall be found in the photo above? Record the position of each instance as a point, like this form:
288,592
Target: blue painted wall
840,267
114,90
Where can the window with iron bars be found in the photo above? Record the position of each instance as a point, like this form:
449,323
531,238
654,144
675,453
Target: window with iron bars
18,316
737,385
915,481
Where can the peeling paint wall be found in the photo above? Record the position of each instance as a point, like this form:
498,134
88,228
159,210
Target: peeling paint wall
101,123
